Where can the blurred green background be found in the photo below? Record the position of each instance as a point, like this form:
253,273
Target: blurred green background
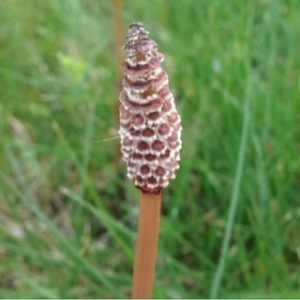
68,215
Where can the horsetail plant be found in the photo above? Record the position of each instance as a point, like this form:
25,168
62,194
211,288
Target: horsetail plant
150,132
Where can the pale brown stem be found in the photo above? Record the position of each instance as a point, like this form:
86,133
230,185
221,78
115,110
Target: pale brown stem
146,247
118,30
119,56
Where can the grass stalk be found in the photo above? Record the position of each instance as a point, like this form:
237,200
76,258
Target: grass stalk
234,200
146,246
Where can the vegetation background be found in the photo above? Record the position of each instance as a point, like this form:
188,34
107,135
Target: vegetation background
68,214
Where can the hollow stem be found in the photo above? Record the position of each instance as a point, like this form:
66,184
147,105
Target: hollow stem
146,246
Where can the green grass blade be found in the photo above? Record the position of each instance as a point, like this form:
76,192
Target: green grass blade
234,197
